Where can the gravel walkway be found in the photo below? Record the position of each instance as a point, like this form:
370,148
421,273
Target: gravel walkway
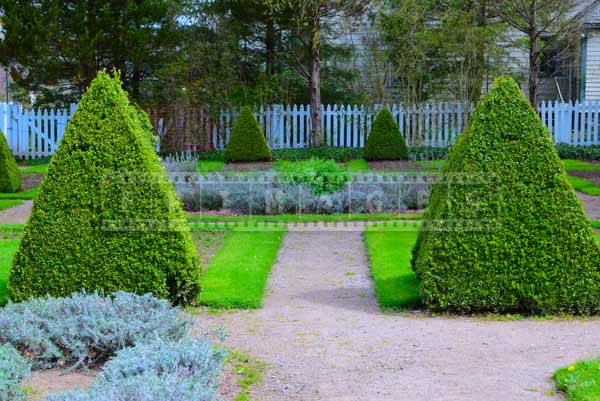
324,338
18,214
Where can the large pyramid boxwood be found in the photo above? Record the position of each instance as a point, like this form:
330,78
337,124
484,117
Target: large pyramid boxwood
504,231
385,142
10,178
247,142
106,218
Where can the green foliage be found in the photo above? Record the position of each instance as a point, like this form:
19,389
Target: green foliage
322,176
504,230
578,152
247,142
389,255
580,381
385,142
10,178
357,165
137,38
238,274
106,218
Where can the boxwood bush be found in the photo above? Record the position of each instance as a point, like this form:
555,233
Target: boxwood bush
504,231
106,218
10,177
247,142
385,142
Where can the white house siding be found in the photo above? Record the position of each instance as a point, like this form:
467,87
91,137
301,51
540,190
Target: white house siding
592,76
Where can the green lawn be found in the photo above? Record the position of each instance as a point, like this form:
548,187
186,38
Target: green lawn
29,194
8,248
303,218
580,381
209,166
596,223
357,165
430,165
40,168
8,203
238,274
389,255
580,165
584,186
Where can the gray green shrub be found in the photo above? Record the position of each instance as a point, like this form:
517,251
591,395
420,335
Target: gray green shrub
106,218
87,329
185,370
13,370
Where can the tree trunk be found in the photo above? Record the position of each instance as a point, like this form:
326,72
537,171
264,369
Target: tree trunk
270,46
477,69
316,132
533,57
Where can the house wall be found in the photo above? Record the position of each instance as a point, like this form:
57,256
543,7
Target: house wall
592,74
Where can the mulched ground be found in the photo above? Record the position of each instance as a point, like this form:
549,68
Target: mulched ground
592,176
393,165
29,181
250,166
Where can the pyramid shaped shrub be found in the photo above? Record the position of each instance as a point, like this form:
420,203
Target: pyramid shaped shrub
106,218
247,142
504,231
10,178
385,142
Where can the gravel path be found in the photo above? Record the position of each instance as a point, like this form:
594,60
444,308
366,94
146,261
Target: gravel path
324,338
591,204
18,214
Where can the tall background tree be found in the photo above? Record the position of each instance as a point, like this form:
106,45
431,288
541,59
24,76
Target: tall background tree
540,21
54,48
315,19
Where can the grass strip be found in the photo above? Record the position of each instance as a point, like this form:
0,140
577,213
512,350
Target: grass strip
389,252
581,381
30,194
357,165
8,203
40,169
585,186
303,218
238,274
209,166
8,249
574,165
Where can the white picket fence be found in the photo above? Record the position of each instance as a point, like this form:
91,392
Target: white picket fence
34,133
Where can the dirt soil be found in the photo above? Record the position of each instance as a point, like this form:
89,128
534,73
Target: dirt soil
29,181
324,338
393,165
593,176
56,380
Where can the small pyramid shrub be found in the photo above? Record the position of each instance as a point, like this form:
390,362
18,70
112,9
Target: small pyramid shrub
106,218
10,177
525,244
247,142
385,142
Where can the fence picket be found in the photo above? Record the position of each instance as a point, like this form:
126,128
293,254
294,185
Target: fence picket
37,132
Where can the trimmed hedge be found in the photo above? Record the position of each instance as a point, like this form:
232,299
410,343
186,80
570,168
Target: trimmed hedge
10,177
385,142
247,142
106,218
521,241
